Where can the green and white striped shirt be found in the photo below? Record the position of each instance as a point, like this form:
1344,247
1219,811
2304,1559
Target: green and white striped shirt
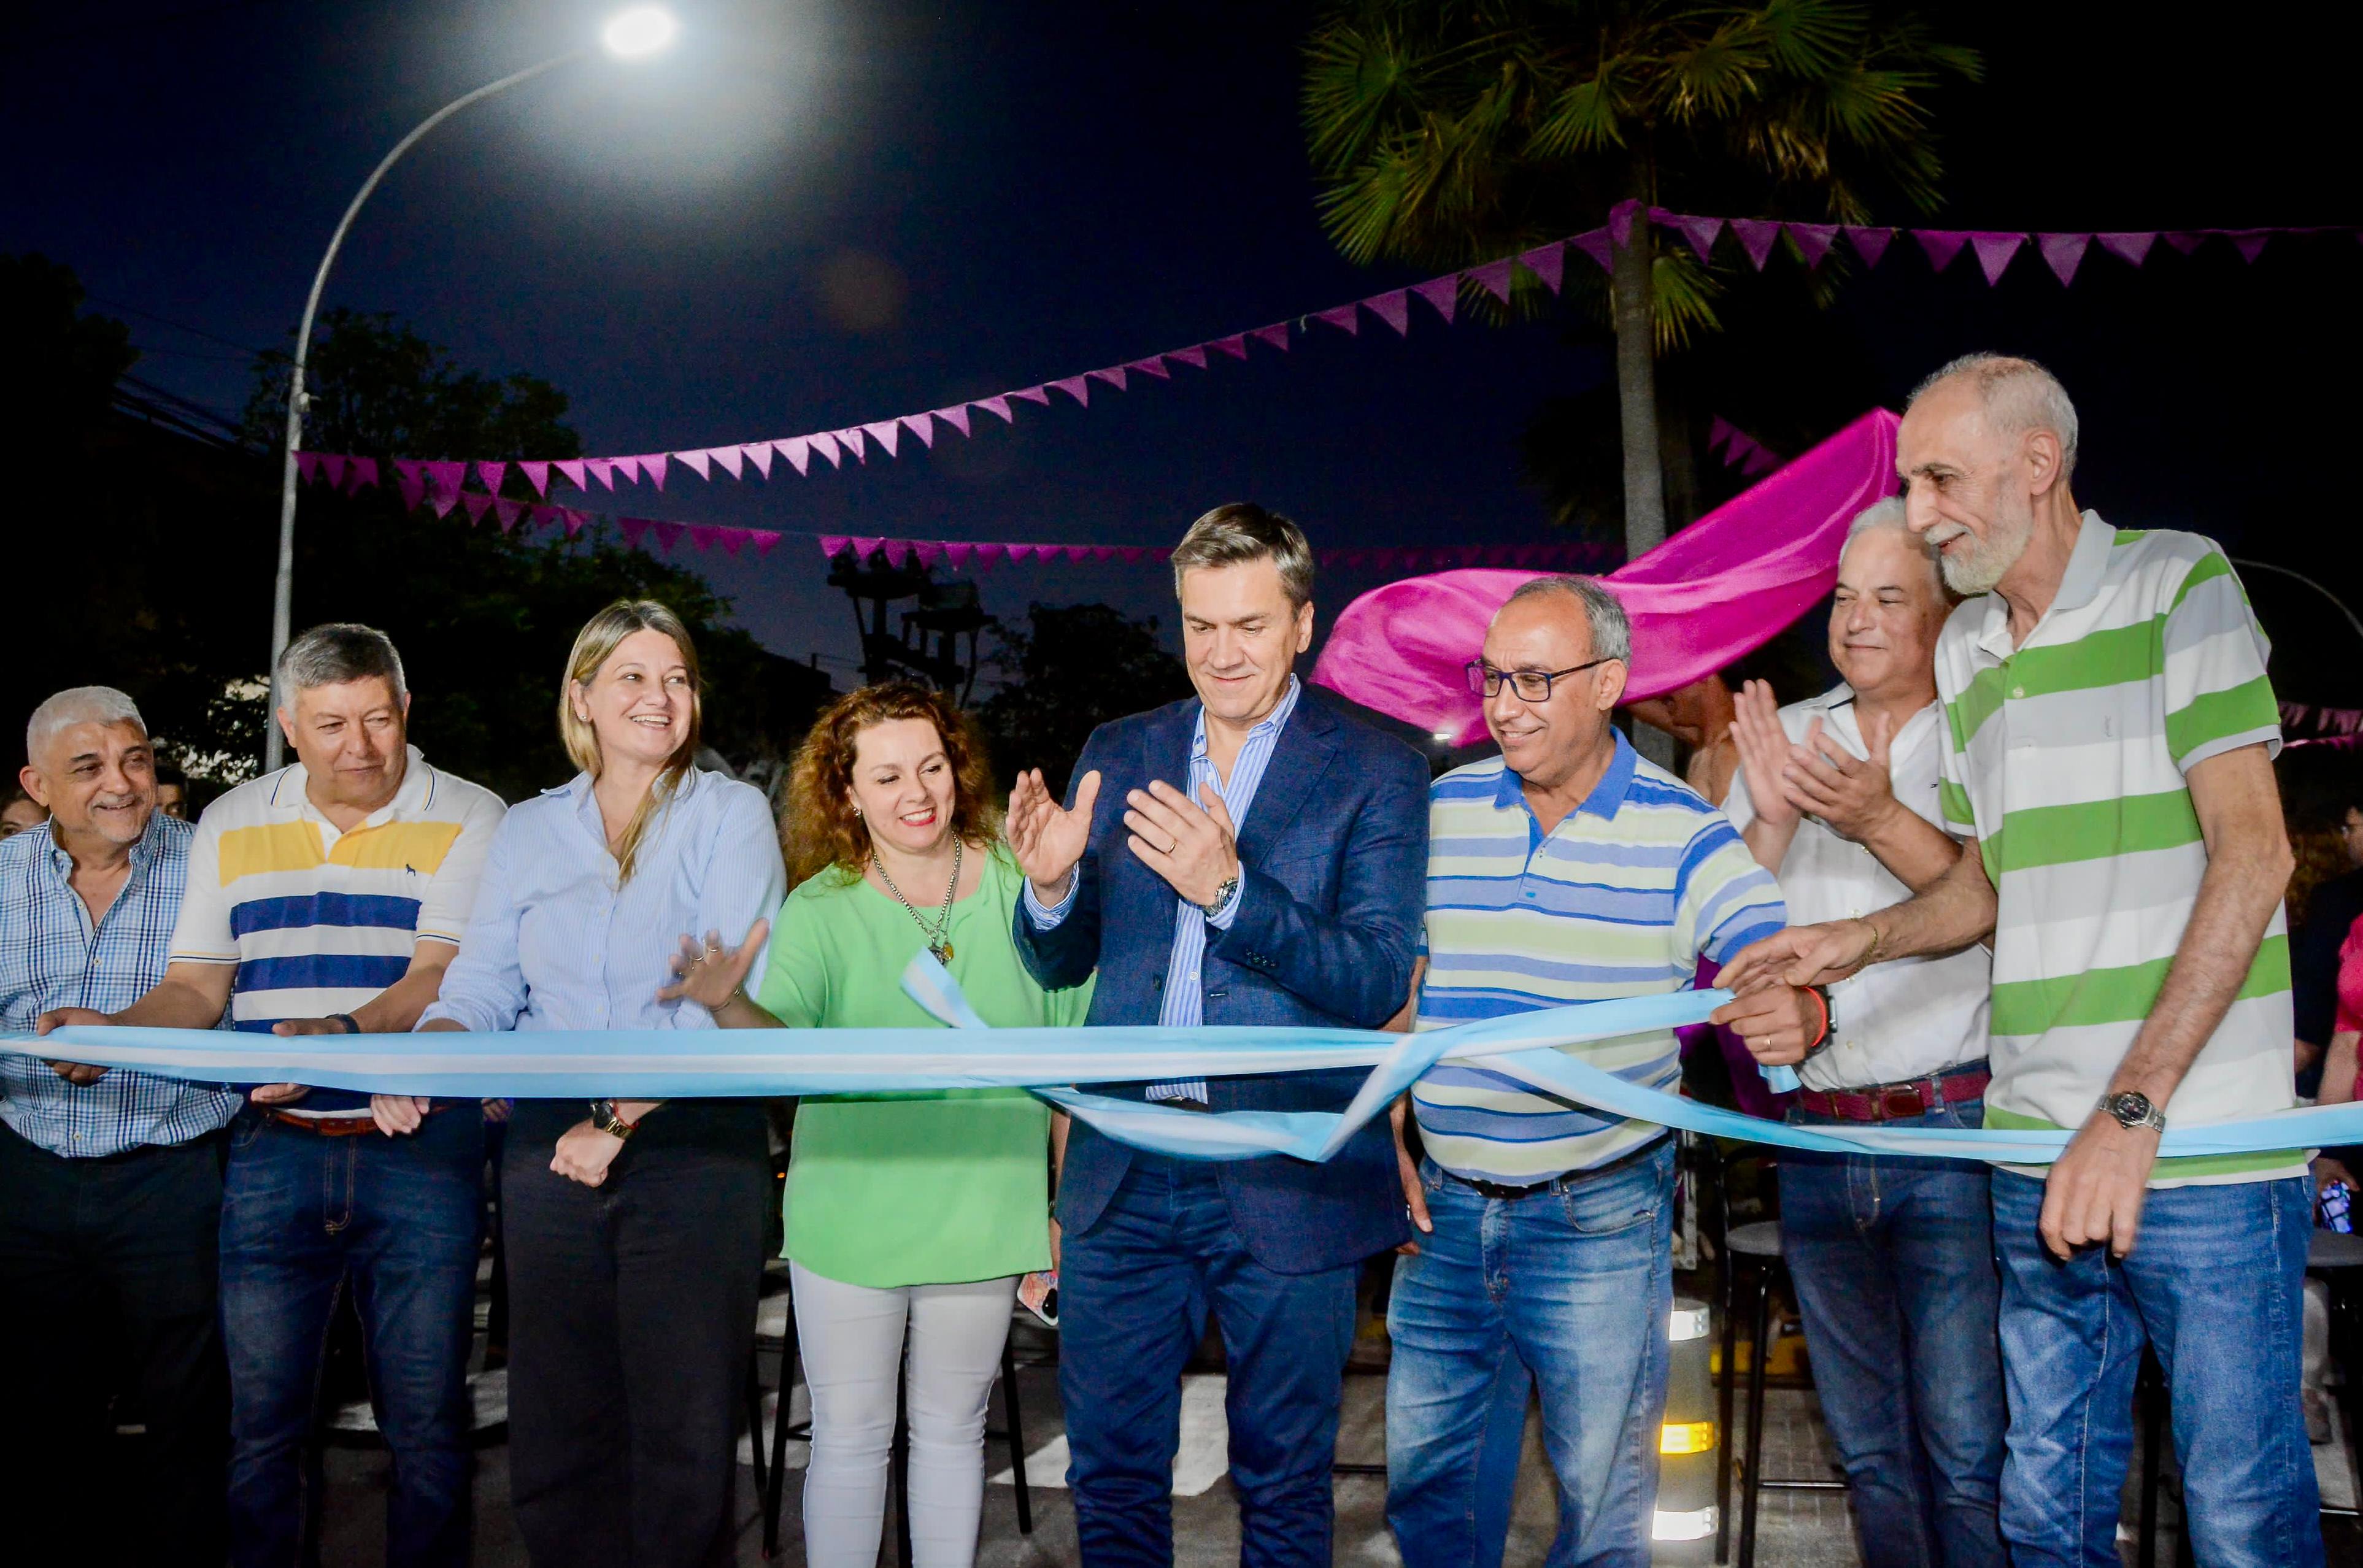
2066,757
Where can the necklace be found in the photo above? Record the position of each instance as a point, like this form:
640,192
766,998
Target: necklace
939,934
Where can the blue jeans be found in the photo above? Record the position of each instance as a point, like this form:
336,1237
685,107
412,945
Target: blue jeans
1570,1290
2214,1284
1136,1288
1894,1268
398,1220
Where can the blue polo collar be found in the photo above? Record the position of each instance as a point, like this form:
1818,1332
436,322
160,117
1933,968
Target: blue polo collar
1607,796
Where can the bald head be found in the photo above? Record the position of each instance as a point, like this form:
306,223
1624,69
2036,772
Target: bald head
2016,396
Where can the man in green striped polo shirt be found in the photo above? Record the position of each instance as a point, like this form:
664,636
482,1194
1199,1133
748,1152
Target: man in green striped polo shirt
2110,733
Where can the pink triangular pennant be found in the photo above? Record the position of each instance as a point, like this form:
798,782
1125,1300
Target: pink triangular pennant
634,528
886,433
1718,431
360,475
1814,240
1112,375
411,481
1444,294
1236,345
1132,553
536,475
797,449
442,501
835,544
1994,251
490,476
923,426
959,551
576,520
698,463
475,501
728,456
508,512
1275,335
1076,387
603,469
826,445
1344,317
1547,262
1620,221
851,441
307,467
998,406
764,539
1393,308
1701,232
2129,246
1152,365
2063,253
760,454
705,536
627,469
1594,244
332,469
2187,240
652,465
1194,356
1495,277
1941,244
928,551
1033,395
668,533
986,554
447,478
2249,242
1757,237
1870,243
955,416
735,540
1102,552
577,473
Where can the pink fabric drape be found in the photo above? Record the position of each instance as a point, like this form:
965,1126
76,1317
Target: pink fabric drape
1723,587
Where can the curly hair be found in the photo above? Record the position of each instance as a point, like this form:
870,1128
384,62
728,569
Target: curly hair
820,830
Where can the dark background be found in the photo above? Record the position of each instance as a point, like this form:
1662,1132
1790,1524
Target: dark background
815,214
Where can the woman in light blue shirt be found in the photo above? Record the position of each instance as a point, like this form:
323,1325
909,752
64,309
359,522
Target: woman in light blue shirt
634,1231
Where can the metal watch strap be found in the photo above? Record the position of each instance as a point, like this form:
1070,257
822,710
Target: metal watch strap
1223,897
603,1117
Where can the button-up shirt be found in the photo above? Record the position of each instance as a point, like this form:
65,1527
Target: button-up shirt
1185,1006
1894,1021
556,942
52,957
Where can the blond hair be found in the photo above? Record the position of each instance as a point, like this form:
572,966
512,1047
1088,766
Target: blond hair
594,644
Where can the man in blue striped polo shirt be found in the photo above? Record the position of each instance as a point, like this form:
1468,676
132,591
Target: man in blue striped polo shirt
1567,869
328,898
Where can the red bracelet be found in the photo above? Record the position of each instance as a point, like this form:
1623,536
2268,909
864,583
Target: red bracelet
1821,1002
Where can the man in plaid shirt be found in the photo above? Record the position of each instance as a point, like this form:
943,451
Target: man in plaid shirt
110,1182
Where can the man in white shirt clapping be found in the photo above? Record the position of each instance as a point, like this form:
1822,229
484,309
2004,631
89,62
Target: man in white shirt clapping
1892,1258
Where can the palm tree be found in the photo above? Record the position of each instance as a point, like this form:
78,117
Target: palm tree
1449,131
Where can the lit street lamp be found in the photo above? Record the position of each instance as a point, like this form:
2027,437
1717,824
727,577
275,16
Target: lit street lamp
635,34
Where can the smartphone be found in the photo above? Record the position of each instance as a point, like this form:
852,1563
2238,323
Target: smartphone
1038,1293
2337,1208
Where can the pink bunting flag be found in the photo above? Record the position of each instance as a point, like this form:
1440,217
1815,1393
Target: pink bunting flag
442,501
536,475
796,449
1112,375
824,443
508,512
1393,308
1236,345
955,416
2128,247
1547,262
1276,336
490,476
705,536
1814,240
652,464
1942,244
1718,432
411,481
1701,232
1076,387
927,552
1034,395
634,528
1102,552
603,469
360,475
1595,245
999,405
887,434
2187,240
764,539
447,478
958,552
576,520
1020,552
835,544
1444,294
695,462
627,469
760,454
476,502
307,467
734,540
1344,317
2249,242
923,426
1994,251
1870,243
1620,221
1152,365
668,534
577,472
332,467
852,442
986,554
1757,237
1495,277
2063,253
1194,356
729,457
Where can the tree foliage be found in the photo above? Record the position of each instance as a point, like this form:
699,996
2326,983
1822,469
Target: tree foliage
1069,671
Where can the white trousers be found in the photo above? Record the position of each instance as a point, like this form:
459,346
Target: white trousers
851,1338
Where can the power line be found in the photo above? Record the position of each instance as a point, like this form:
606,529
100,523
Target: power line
167,321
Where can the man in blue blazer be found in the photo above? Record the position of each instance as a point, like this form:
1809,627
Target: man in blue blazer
1266,867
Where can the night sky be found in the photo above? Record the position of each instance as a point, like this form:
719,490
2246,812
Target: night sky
816,215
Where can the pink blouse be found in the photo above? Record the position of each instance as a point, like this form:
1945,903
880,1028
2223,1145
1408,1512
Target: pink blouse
2350,980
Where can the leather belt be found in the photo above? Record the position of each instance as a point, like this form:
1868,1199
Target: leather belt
1199,1106
340,1126
1899,1103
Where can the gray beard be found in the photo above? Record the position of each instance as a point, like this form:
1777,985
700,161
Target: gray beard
1984,565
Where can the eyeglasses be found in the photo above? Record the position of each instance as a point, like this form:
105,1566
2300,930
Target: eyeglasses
1531,685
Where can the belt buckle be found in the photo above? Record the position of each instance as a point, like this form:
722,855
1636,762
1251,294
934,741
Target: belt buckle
1904,1100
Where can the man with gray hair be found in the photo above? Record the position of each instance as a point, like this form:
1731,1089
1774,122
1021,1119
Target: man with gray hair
110,1182
329,898
2108,744
1567,869
1893,1259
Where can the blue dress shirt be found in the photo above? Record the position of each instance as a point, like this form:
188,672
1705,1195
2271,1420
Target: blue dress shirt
555,943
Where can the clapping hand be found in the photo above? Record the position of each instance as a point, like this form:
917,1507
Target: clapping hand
708,973
1047,838
1852,794
1763,753
1193,847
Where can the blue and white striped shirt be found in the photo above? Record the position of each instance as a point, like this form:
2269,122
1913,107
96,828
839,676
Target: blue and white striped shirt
555,943
1619,900
1185,1007
52,957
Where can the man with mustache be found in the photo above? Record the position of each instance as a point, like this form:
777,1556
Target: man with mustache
2110,733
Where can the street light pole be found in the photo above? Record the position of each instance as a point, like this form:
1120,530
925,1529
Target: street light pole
635,34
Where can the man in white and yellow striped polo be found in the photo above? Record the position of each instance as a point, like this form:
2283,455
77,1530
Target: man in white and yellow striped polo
2110,733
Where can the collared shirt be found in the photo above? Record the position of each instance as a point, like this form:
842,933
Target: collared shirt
1183,1007
2066,755
318,921
1619,900
1893,1021
52,957
555,942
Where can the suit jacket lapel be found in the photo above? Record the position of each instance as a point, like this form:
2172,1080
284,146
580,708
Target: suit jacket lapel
1297,763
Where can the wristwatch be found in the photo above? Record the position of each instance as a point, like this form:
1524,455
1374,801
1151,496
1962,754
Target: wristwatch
603,1117
1223,897
2132,1109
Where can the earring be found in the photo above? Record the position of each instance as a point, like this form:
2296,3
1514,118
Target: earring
857,811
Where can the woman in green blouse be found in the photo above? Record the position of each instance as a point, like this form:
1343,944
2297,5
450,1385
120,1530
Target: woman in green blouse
915,1210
